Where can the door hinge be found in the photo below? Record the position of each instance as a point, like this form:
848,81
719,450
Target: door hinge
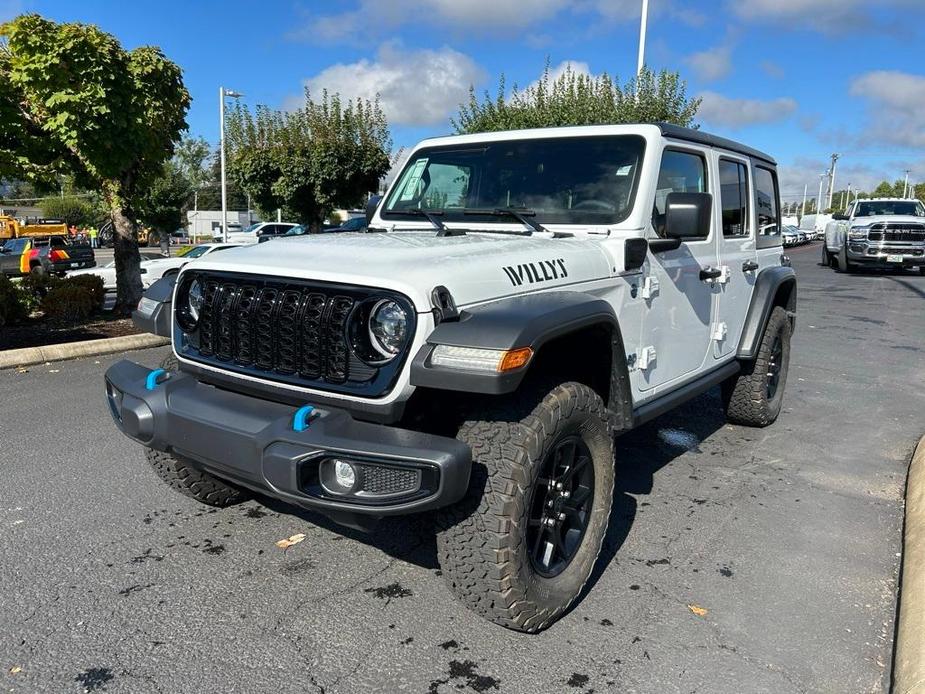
719,332
650,287
646,358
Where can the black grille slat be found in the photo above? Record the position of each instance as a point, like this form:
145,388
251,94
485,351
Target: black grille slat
285,330
897,231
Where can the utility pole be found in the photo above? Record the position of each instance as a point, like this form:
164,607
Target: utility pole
803,206
822,178
641,61
906,185
832,179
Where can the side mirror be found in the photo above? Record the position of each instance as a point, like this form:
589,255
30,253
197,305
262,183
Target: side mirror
371,206
841,217
688,215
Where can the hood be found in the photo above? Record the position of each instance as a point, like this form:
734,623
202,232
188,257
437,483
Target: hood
893,218
474,267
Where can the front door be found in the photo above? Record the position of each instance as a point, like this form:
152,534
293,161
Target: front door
676,329
736,252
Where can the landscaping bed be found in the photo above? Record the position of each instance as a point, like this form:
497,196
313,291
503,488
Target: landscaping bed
38,333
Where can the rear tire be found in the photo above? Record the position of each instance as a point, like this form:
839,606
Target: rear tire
754,396
826,259
518,549
179,473
842,262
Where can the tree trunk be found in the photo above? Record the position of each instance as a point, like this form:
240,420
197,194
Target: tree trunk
128,261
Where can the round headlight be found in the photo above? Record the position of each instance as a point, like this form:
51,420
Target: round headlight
194,300
388,328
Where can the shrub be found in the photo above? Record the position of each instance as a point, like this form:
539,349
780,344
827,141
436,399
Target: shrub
92,283
12,307
68,302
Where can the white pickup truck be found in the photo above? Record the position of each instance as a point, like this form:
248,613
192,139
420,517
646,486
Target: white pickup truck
883,232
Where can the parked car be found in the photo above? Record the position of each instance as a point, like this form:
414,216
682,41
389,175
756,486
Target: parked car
54,255
790,235
255,232
477,361
352,224
153,270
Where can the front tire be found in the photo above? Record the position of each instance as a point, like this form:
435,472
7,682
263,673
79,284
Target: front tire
842,264
754,396
180,474
519,548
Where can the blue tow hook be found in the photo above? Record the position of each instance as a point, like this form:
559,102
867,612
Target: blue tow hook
302,417
155,378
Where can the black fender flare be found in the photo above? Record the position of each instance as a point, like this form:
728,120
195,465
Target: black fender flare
156,318
768,287
530,320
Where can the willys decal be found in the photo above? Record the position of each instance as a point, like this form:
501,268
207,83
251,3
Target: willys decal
538,271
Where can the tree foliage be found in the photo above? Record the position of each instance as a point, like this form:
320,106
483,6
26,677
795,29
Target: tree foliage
309,161
575,98
162,203
70,209
73,99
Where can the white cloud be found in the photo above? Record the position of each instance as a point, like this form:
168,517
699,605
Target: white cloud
627,10
724,111
414,87
712,64
378,16
805,171
895,106
827,16
772,69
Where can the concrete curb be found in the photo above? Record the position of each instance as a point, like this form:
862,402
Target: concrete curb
909,663
30,356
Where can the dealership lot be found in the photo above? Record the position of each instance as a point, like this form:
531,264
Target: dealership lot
738,559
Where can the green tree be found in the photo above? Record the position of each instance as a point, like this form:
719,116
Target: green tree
70,209
573,98
163,201
309,161
73,99
192,160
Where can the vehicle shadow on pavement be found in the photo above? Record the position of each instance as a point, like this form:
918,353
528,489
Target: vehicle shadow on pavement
639,455
644,451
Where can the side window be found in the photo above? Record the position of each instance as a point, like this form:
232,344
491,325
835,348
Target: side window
733,181
680,172
766,196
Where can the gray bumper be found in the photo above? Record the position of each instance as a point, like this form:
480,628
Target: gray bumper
252,442
876,253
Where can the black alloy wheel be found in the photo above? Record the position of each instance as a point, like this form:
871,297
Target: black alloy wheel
561,506
775,363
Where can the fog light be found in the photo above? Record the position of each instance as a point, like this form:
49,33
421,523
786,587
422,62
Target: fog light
344,474
339,476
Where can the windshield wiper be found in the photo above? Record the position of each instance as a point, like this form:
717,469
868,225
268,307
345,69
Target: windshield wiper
429,215
521,214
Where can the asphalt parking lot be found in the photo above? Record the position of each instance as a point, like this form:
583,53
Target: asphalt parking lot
784,540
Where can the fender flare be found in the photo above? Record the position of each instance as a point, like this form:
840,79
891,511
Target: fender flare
530,320
770,282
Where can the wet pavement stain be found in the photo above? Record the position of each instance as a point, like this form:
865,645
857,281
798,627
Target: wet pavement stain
606,623
393,590
214,549
135,588
447,645
466,670
255,513
141,558
577,680
297,566
94,679
726,571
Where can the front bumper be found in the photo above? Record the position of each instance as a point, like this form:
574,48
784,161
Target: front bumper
254,443
885,254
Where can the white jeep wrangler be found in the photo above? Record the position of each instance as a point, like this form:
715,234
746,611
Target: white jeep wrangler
520,298
882,232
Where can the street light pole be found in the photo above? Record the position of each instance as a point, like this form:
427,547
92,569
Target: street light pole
906,185
641,61
803,206
822,178
222,93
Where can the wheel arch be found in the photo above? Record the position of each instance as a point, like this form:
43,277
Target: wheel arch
573,335
776,286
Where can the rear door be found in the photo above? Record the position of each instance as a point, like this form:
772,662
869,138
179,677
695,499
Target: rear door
737,250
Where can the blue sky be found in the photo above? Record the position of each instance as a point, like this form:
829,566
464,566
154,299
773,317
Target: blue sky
798,78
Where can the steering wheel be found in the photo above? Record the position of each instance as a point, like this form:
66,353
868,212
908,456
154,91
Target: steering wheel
601,205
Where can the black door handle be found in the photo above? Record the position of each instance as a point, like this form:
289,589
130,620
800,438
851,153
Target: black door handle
749,265
710,273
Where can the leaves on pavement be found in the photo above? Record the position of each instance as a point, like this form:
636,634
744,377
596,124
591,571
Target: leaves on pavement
289,541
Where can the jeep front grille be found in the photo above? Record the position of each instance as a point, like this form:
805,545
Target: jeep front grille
896,231
285,330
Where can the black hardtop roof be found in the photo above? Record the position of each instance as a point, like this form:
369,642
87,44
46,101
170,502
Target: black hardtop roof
679,133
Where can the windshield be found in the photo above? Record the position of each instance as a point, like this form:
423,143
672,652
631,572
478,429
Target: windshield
875,208
252,227
297,230
354,224
196,251
564,180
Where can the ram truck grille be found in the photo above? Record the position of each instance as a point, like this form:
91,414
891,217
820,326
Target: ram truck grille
283,330
894,231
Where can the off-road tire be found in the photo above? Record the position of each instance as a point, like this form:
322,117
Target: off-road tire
170,363
826,258
745,395
180,474
481,543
